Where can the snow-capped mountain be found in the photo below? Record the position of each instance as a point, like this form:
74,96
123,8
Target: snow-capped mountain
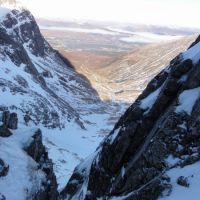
153,151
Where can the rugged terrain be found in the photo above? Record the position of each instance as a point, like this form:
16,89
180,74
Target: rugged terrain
43,89
118,69
124,77
153,151
51,118
129,75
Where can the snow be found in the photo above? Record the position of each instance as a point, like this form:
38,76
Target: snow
120,30
114,135
147,37
172,161
192,172
80,30
187,100
70,146
148,102
123,170
67,148
23,170
193,53
3,11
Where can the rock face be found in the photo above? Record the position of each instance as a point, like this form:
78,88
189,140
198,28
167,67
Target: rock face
38,152
40,81
164,122
9,120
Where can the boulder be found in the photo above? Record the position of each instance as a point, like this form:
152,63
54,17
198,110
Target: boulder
183,181
13,120
9,120
5,132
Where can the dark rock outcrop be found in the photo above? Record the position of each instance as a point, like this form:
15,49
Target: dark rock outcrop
4,168
131,163
22,44
5,132
13,120
38,152
9,121
2,197
183,181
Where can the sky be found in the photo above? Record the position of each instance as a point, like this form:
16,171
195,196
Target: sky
156,12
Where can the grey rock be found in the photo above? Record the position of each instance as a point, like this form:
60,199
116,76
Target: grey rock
183,181
3,168
38,152
9,120
5,132
13,121
6,118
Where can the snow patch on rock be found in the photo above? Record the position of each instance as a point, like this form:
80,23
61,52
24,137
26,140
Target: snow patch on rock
187,100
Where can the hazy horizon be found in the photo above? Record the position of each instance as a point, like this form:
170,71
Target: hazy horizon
182,13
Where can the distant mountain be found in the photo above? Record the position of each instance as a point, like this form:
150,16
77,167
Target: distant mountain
119,64
124,77
118,27
153,151
129,74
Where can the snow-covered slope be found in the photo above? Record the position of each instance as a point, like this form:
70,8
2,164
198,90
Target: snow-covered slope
26,172
30,68
153,152
41,86
153,146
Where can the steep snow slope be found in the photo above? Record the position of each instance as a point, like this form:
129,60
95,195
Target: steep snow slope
42,87
26,172
23,178
30,66
153,151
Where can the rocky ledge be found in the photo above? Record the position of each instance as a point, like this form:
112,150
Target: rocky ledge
38,152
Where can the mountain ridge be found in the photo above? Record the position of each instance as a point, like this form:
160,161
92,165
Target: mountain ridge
149,141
